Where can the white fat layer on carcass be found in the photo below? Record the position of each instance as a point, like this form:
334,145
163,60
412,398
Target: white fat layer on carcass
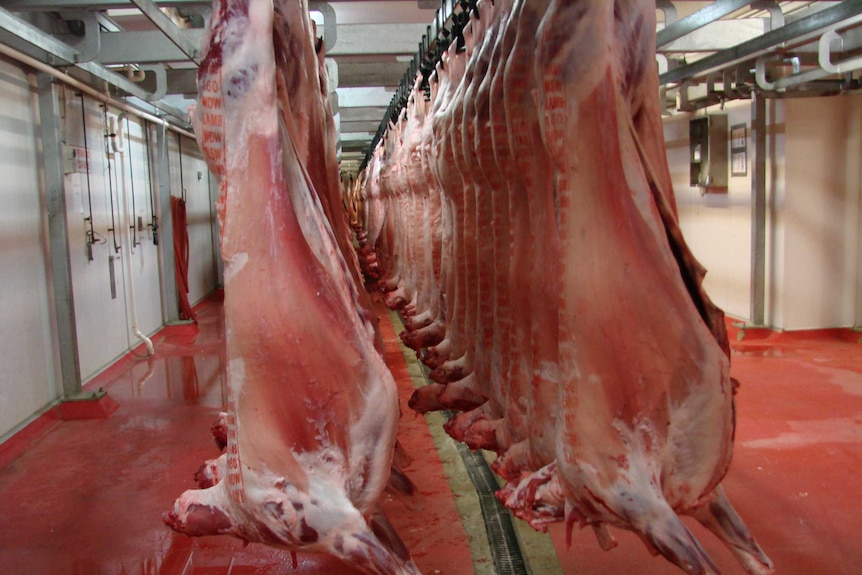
214,497
548,371
632,496
583,60
326,508
215,469
235,374
233,264
247,56
699,435
327,462
248,50
536,497
313,223
373,431
654,464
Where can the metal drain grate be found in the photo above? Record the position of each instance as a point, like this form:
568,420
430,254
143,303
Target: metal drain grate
503,541
502,538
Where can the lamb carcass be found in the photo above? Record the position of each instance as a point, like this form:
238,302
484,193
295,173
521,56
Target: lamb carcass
615,406
312,408
646,431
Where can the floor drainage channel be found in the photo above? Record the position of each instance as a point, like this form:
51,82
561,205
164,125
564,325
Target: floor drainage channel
505,547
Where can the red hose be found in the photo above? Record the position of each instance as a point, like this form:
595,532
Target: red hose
181,256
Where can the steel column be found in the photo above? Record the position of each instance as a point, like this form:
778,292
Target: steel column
58,236
758,210
170,297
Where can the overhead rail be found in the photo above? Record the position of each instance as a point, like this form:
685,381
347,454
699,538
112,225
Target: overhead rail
447,27
453,15
803,30
168,28
698,20
60,54
84,88
46,5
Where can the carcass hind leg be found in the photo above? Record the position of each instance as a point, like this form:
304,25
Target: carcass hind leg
211,472
535,497
663,530
437,354
720,517
219,430
200,512
477,428
451,370
396,299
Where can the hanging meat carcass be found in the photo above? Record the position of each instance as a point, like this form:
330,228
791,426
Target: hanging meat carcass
647,414
607,371
312,407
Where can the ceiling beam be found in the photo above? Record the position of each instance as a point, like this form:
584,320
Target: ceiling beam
178,82
33,35
369,114
367,126
718,35
168,28
375,97
399,39
357,145
846,13
387,74
57,52
357,136
53,5
697,20
144,47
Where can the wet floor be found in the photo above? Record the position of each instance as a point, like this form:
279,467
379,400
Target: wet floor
86,496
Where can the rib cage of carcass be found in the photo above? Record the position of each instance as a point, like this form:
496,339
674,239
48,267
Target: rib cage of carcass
523,221
312,409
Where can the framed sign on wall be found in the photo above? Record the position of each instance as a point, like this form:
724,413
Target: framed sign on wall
739,150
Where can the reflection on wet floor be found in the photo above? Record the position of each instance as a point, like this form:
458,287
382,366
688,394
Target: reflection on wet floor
189,365
87,497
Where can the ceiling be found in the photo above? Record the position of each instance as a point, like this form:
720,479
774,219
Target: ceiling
708,51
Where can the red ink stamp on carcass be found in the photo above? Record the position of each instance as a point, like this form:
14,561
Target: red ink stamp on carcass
234,472
212,124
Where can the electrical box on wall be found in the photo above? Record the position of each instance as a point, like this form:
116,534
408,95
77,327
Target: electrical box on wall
708,152
76,160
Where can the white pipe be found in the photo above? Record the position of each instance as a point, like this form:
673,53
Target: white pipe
119,146
65,78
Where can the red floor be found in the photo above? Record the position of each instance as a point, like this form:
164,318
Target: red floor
86,496
797,462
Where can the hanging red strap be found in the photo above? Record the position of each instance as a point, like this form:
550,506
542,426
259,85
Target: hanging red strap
181,255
